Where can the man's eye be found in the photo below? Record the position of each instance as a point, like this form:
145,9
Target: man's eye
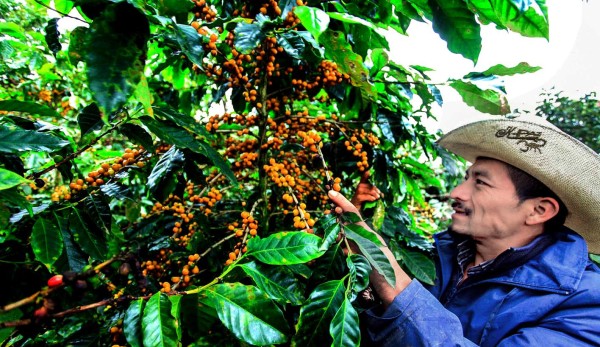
478,181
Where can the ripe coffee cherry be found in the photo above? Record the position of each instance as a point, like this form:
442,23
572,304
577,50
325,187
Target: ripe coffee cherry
41,312
55,281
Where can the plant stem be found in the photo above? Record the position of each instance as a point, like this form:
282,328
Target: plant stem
46,291
74,154
61,13
216,244
214,281
75,310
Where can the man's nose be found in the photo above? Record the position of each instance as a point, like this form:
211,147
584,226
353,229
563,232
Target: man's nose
460,192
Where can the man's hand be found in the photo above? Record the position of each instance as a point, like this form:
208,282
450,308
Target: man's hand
365,191
386,292
342,205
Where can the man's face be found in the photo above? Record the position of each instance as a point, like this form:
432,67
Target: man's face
486,204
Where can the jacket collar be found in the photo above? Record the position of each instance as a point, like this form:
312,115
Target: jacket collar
558,268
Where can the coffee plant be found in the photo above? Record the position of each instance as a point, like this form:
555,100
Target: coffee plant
164,164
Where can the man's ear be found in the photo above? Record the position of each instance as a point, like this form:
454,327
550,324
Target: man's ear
543,210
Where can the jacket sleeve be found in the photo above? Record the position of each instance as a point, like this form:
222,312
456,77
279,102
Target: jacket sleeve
415,318
576,322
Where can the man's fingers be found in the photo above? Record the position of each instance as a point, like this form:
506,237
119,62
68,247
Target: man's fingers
371,196
341,202
365,177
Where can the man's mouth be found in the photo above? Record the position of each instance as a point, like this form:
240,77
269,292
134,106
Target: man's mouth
460,209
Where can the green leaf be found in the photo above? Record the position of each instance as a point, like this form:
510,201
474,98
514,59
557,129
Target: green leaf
340,51
87,235
144,96
169,162
77,45
278,283
528,18
206,313
6,50
158,324
47,72
132,323
378,215
293,43
183,120
413,9
355,229
485,13
115,54
8,316
491,101
199,315
116,190
248,313
17,140
14,198
501,70
330,265
375,255
172,8
13,30
190,43
176,313
183,139
248,36
63,6
344,328
360,270
417,263
351,19
316,316
285,248
46,241
89,119
351,218
331,231
456,24
313,19
76,259
98,209
53,36
13,163
9,179
380,59
138,135
28,107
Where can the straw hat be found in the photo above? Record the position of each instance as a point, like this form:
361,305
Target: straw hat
568,167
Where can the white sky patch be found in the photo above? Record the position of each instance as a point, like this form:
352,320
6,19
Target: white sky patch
569,60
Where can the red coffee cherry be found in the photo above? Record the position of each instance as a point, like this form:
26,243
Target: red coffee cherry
55,281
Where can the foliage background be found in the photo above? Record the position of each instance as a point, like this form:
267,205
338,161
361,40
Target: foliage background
169,162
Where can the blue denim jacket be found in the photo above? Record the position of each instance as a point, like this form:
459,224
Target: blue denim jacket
552,299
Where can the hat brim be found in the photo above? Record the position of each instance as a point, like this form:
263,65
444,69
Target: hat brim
567,166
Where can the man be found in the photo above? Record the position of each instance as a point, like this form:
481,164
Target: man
512,270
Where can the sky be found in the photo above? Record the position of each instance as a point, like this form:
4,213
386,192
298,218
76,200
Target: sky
570,60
